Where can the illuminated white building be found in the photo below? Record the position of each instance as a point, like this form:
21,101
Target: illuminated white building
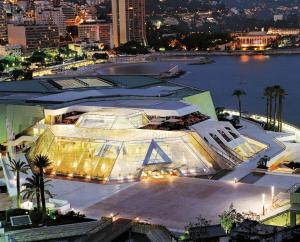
95,128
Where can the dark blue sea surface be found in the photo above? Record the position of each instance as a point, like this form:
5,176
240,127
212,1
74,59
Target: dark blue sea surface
250,73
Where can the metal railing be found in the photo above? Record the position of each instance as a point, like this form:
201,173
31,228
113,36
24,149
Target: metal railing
214,151
230,160
293,188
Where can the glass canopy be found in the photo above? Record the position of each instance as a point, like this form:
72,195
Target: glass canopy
113,119
118,154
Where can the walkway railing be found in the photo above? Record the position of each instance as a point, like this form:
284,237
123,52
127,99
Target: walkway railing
253,115
231,160
213,151
293,188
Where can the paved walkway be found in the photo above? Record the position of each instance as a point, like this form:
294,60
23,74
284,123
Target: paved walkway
279,180
84,194
254,131
176,201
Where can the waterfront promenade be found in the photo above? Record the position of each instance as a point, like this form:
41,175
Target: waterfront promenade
294,51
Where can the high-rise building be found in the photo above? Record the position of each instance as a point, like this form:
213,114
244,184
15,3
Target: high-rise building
128,21
55,3
51,16
33,37
3,24
96,32
69,10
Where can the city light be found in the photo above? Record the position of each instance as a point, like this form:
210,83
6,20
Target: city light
263,196
272,193
107,106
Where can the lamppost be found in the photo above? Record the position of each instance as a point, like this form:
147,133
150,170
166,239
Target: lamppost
263,196
272,193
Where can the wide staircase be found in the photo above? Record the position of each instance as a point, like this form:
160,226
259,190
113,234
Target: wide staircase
55,233
158,235
110,232
154,233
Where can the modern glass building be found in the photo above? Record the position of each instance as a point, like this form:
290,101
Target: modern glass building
116,147
112,128
17,104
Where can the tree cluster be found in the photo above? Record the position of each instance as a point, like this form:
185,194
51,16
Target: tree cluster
35,186
132,48
274,96
188,41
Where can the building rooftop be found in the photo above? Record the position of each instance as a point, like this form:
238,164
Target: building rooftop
53,91
23,86
56,233
152,107
69,96
56,84
131,81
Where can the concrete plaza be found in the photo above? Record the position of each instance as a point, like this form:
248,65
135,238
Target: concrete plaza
174,201
82,194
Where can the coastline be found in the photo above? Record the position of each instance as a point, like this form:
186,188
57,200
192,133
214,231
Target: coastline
286,126
170,56
295,51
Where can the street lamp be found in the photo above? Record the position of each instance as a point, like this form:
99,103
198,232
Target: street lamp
263,196
272,193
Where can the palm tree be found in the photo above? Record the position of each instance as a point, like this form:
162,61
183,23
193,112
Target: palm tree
280,93
276,89
32,189
17,74
18,166
238,93
268,94
42,163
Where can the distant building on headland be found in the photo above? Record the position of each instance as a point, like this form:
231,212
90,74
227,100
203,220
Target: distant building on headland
278,17
254,40
284,32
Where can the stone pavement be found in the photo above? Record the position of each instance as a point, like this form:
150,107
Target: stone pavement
176,201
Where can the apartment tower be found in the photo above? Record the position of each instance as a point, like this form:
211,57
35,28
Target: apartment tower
128,21
3,24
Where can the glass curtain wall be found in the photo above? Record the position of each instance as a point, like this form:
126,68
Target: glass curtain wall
105,159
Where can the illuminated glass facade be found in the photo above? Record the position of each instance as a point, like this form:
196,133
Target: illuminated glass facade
112,147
